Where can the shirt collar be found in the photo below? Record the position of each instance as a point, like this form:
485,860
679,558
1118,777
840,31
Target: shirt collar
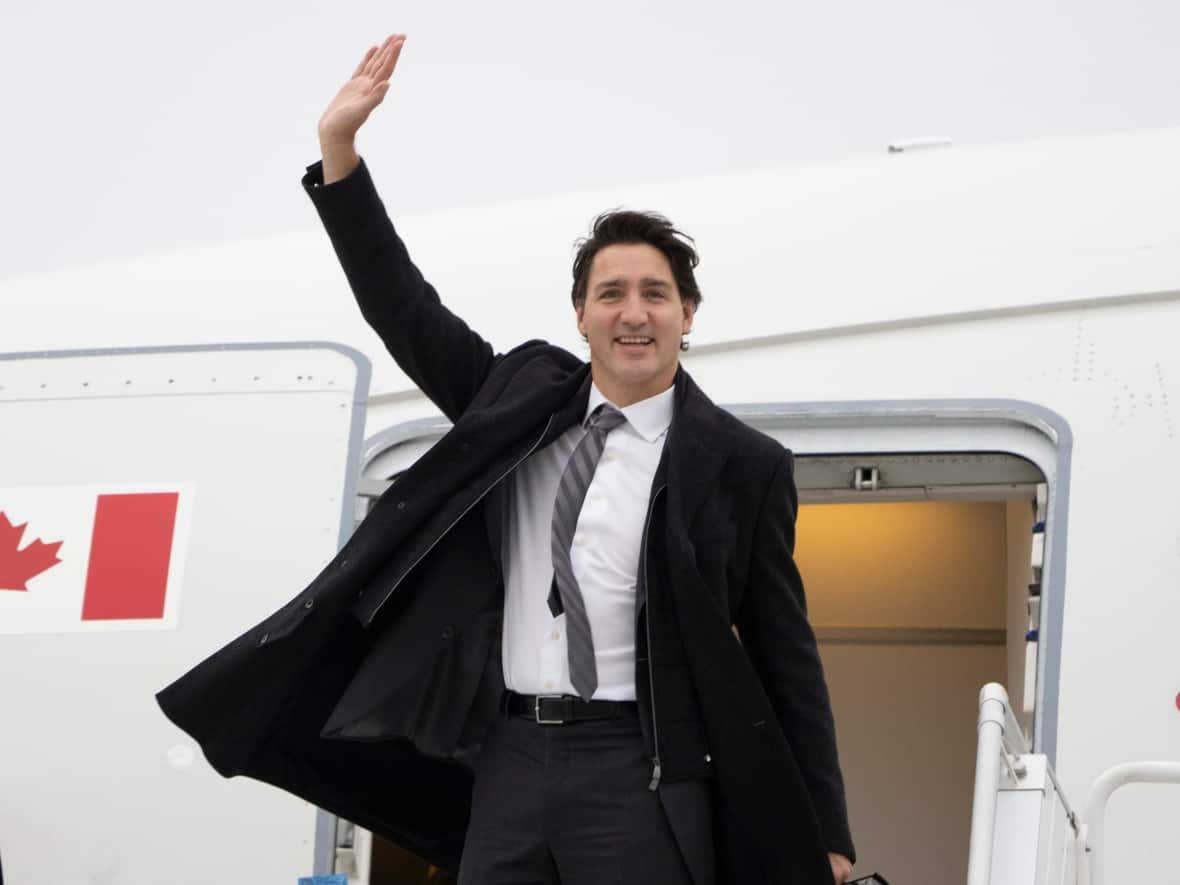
650,417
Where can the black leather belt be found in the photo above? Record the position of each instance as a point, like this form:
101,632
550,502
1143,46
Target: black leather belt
558,709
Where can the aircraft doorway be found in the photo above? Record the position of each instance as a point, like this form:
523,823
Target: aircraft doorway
918,592
918,558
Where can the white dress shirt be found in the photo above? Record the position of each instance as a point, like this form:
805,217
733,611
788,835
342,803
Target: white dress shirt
604,555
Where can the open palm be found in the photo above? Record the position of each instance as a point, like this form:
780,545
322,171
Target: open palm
363,92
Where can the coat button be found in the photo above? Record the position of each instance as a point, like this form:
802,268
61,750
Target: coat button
263,638
309,603
448,632
463,447
401,505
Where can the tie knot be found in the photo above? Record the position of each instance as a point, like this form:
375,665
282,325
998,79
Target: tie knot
605,418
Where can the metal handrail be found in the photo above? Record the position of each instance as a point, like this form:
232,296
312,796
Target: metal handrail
1107,782
1000,738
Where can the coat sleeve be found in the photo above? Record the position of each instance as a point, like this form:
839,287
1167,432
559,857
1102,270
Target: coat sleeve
772,622
435,348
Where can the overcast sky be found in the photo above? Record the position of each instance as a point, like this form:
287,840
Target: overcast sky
131,127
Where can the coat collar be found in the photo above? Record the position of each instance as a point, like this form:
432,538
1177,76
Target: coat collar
700,441
700,438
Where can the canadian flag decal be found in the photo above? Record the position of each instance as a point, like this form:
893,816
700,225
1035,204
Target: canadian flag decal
17,566
78,558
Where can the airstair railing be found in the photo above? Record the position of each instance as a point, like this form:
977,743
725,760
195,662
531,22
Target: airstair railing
1000,742
1094,829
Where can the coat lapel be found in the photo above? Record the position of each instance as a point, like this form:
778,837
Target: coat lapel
497,507
699,443
696,448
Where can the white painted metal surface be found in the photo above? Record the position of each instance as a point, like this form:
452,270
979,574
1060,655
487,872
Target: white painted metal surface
785,251
1044,273
1016,835
1022,828
97,786
1104,787
1000,738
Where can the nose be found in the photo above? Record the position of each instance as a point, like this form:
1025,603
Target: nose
634,312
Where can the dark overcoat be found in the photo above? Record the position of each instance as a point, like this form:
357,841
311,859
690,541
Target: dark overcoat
369,692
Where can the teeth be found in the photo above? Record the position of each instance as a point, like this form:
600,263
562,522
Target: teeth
633,340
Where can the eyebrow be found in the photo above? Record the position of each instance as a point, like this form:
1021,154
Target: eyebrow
646,282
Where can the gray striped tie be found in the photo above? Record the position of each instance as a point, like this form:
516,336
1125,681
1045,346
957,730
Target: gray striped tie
564,595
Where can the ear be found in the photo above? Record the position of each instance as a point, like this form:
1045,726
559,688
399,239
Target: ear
690,310
580,312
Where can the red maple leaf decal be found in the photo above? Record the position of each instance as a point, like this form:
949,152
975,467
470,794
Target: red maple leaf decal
18,566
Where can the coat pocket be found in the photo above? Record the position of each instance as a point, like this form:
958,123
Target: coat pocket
424,697
685,751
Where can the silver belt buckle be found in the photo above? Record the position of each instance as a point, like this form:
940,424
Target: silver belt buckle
537,709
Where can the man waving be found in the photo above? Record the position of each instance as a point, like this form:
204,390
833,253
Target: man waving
570,644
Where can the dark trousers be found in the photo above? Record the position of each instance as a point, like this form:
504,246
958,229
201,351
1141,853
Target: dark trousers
570,804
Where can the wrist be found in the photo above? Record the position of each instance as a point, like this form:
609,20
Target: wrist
337,146
340,159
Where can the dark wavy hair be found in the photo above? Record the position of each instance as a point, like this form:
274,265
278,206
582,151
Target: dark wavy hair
628,226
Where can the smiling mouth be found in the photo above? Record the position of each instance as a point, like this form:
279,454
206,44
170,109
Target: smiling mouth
634,339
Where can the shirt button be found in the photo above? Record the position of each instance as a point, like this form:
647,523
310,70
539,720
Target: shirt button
549,685
556,634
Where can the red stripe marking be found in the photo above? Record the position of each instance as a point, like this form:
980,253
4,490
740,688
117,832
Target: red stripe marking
129,553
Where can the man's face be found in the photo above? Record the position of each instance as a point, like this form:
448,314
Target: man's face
633,318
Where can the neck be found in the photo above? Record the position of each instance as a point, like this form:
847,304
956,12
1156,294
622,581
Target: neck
623,394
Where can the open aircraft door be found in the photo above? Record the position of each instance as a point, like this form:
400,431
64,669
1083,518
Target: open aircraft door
154,503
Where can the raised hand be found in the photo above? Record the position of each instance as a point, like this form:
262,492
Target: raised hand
352,105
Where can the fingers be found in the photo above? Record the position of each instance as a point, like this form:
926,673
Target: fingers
370,68
364,61
373,58
389,60
377,66
380,64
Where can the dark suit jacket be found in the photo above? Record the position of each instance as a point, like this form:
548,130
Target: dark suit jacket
369,692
